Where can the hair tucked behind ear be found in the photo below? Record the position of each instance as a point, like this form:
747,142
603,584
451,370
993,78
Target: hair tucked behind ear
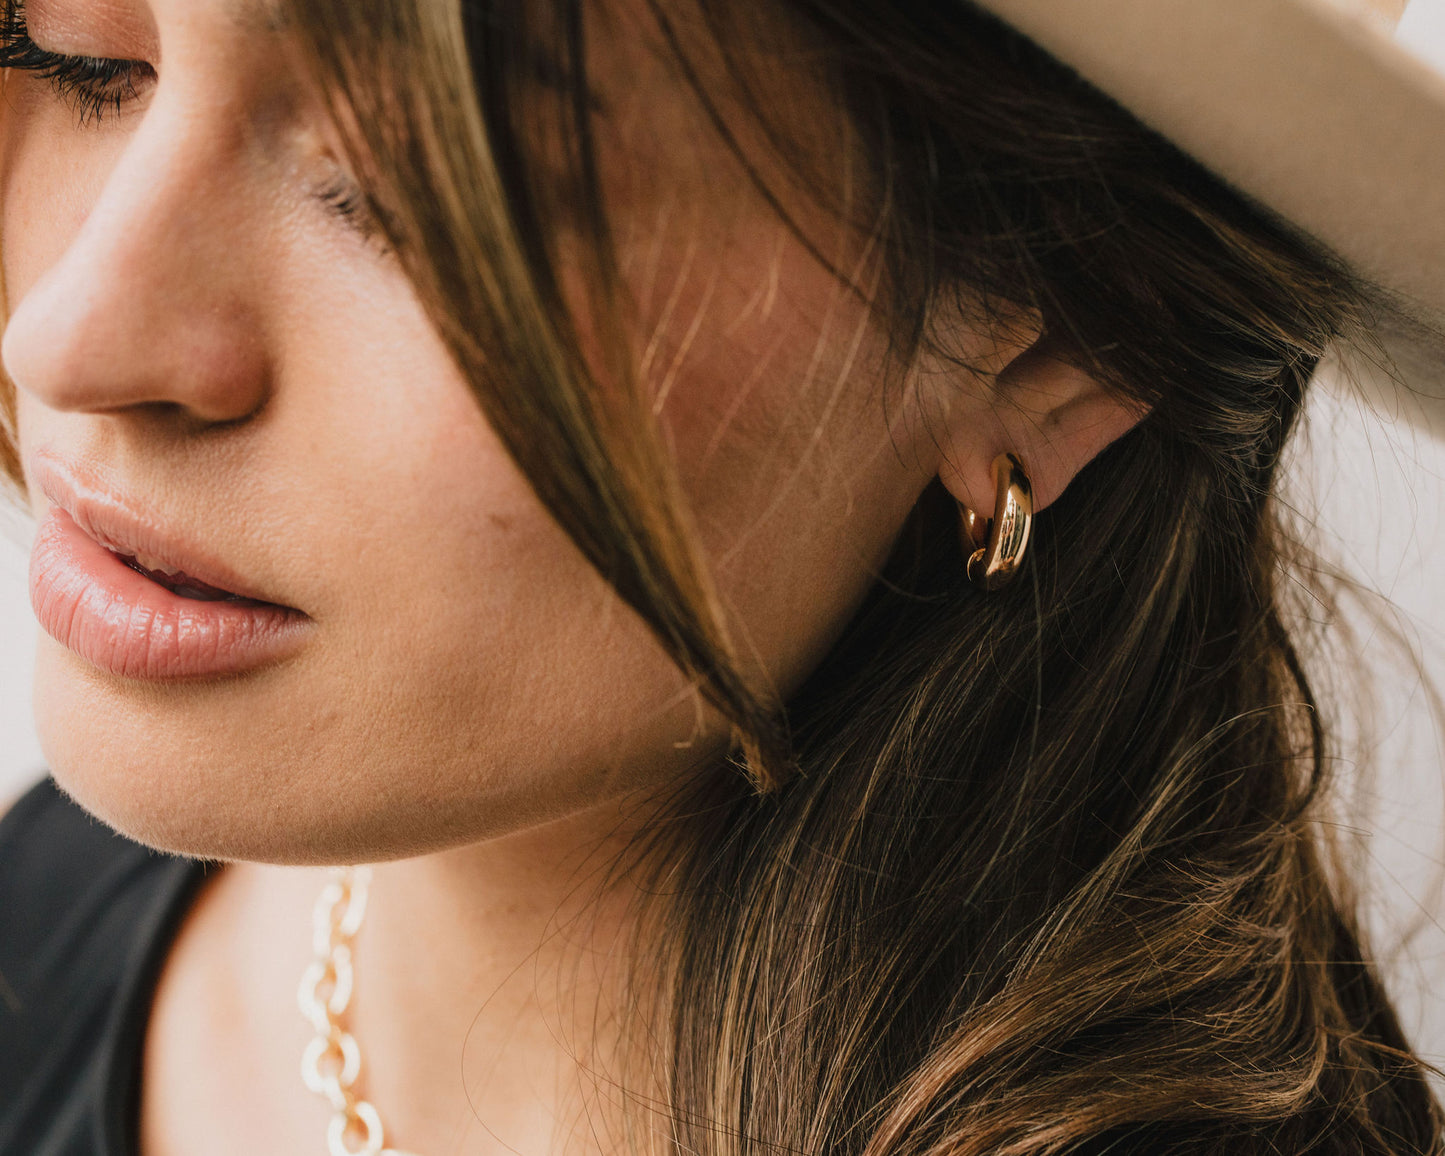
1044,875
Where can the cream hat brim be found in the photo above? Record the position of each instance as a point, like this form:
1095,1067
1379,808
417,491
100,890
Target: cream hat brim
1308,107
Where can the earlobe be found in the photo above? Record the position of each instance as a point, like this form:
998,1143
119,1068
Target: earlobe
1053,415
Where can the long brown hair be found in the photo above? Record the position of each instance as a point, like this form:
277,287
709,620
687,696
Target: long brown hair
1033,873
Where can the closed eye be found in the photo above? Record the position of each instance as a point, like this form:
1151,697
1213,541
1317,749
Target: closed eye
93,86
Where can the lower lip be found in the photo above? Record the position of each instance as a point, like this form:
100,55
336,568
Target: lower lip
90,601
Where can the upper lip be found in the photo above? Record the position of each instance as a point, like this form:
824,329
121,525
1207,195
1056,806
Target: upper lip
114,523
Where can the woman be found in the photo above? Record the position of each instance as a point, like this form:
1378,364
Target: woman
578,459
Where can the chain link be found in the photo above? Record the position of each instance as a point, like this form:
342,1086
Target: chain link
331,1063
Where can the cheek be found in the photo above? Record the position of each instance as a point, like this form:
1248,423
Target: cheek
468,675
784,445
49,177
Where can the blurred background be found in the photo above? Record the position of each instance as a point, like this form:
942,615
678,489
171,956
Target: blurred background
1369,476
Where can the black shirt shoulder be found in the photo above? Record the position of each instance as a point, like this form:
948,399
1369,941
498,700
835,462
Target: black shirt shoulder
86,919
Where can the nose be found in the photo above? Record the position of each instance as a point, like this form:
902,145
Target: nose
152,301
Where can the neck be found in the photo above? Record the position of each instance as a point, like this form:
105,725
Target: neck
488,980
488,984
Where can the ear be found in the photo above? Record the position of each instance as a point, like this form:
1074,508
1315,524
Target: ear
1052,415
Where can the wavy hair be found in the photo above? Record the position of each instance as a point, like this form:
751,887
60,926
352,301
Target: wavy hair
1021,875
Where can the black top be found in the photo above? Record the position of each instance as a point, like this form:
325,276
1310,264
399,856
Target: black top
86,920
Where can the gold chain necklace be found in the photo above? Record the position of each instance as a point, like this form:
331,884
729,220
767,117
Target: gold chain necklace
332,1060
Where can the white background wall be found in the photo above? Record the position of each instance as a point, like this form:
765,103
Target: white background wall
1422,29
1378,488
20,757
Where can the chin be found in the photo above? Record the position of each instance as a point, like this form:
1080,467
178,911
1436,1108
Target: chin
240,768
273,768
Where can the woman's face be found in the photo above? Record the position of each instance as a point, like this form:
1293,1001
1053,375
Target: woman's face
217,373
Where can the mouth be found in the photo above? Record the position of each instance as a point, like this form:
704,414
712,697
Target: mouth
159,563
179,583
138,602
173,561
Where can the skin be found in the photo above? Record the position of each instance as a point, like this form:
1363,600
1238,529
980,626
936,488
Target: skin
472,708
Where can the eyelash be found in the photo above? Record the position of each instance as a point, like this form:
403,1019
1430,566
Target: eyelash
93,86
345,199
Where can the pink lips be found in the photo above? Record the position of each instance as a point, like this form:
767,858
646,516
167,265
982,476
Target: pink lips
96,584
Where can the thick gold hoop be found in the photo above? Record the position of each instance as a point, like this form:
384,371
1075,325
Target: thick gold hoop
994,565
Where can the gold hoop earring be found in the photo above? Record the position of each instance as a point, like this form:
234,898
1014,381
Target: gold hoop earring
996,547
